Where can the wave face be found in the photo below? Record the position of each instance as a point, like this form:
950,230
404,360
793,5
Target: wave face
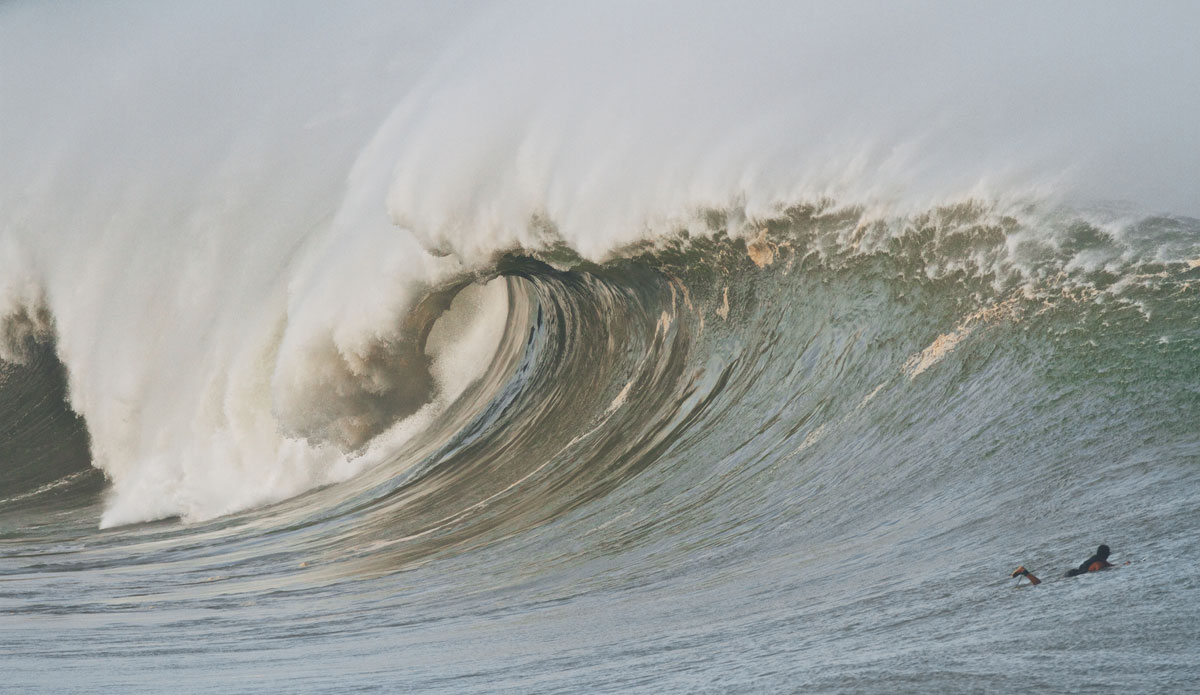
597,348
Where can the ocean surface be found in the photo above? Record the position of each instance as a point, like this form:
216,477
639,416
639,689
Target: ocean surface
598,348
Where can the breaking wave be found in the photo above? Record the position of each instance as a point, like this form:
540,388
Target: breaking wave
560,301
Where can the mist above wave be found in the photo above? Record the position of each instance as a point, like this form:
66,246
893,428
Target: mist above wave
603,121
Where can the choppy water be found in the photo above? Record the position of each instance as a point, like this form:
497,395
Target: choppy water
257,435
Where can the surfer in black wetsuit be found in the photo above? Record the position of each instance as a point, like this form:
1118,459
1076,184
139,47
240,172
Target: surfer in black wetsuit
1095,563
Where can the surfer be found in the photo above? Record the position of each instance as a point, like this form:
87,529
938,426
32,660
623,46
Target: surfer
1095,563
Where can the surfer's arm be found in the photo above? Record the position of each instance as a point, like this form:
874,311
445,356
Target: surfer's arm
1022,572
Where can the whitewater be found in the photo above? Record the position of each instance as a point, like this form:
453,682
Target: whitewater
598,347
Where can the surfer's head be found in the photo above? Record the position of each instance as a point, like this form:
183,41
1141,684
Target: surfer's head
1102,552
